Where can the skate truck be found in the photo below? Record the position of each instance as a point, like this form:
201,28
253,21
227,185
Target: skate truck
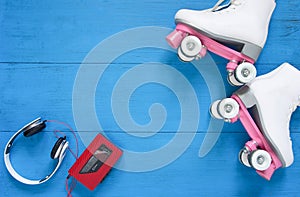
233,31
272,98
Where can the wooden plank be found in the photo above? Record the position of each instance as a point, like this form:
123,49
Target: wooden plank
43,44
66,33
46,90
218,173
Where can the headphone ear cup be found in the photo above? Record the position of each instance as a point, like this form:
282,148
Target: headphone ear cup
34,128
57,148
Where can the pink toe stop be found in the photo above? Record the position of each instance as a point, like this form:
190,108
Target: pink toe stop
174,39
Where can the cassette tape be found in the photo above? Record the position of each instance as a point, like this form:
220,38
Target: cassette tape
95,162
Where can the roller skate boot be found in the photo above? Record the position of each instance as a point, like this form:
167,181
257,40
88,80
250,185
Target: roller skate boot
236,31
272,98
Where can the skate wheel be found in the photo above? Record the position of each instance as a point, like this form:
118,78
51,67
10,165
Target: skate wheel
228,108
214,110
191,46
183,57
243,157
232,80
260,160
245,72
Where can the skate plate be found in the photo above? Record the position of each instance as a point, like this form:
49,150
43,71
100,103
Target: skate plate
174,39
258,140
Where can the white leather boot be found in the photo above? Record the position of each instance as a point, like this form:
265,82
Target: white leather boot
273,98
243,23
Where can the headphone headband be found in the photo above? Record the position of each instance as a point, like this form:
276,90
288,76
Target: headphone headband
16,175
12,139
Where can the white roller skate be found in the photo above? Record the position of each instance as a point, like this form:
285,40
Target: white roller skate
236,31
273,98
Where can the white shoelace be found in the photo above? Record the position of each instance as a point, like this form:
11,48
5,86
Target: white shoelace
218,4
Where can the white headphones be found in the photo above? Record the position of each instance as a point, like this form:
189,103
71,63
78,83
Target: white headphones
58,151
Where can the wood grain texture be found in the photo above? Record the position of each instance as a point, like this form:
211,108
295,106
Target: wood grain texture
43,44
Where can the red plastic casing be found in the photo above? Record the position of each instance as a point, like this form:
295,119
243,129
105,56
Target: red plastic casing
91,180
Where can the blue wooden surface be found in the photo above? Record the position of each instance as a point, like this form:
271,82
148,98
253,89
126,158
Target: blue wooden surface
42,46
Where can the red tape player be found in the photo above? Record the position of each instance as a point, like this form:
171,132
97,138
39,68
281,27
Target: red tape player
95,162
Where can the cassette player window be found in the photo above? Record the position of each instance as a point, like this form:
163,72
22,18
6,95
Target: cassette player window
96,160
